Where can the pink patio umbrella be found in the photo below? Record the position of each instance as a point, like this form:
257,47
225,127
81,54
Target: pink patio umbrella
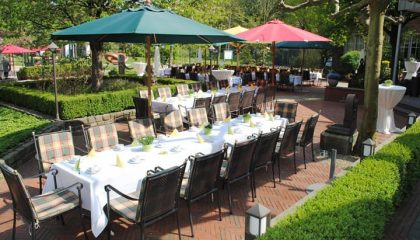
13,49
277,31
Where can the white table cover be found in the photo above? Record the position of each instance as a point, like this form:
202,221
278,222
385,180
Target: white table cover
139,67
295,79
412,68
315,76
388,97
128,179
235,80
222,74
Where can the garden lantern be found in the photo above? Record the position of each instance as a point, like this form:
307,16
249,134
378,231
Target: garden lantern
368,147
53,48
257,220
411,119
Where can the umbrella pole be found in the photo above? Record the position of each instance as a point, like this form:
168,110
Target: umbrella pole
303,61
273,60
149,76
238,53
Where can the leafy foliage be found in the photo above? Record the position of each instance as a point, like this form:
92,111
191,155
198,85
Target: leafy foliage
358,205
16,127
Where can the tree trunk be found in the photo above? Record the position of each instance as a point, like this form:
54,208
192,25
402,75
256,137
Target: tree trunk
373,69
97,73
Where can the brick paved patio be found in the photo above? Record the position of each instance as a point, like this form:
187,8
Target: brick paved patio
206,225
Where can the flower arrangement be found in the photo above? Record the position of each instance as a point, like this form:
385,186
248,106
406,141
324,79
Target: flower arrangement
247,117
412,60
207,129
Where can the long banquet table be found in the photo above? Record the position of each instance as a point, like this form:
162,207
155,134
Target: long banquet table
166,152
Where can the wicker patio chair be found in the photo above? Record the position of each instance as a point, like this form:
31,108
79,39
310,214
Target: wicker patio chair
202,180
246,102
221,111
158,199
195,86
265,154
52,148
182,89
37,209
164,92
141,128
197,117
101,137
171,121
308,136
258,105
288,143
238,165
234,101
286,110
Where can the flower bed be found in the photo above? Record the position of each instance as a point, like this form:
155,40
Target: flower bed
358,205
16,127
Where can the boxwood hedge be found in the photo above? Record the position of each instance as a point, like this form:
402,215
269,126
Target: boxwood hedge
75,106
358,205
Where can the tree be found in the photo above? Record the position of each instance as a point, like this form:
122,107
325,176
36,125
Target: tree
376,13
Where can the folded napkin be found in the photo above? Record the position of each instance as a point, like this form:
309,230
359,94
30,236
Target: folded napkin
174,133
251,123
164,99
92,153
239,88
227,119
119,162
266,115
200,139
252,87
77,166
270,117
200,91
230,130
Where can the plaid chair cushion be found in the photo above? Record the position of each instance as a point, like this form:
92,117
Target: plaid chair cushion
103,137
286,110
164,92
182,89
141,128
197,116
125,207
55,147
54,203
221,111
144,94
173,120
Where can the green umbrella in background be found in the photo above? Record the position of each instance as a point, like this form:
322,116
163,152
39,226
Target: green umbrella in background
146,24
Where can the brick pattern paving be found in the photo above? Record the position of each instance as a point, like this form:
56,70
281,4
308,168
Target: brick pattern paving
206,225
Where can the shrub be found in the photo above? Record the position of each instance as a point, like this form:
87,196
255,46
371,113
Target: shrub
65,70
349,62
81,105
358,205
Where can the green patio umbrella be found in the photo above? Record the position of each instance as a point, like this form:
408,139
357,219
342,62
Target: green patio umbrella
304,45
146,24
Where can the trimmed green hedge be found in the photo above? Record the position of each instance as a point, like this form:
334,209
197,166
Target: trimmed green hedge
83,105
358,205
63,70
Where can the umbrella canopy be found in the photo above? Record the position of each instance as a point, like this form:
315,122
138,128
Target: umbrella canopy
13,49
133,25
236,30
278,31
156,61
304,45
146,24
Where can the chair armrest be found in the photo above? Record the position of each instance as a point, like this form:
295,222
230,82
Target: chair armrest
109,188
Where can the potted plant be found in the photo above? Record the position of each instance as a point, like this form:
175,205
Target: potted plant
147,143
333,78
412,66
207,129
247,117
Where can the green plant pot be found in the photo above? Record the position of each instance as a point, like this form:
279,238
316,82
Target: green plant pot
147,148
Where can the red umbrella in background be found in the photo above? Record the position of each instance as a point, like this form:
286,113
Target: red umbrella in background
13,49
277,31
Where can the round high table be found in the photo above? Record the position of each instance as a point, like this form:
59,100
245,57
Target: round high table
388,98
139,67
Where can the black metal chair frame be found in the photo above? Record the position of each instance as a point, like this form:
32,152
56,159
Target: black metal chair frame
153,175
210,182
23,206
251,143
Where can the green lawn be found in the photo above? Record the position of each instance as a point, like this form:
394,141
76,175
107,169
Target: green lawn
16,127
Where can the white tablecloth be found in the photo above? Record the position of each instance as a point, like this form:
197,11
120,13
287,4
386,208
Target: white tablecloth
164,72
388,97
315,76
235,80
295,79
412,68
128,179
139,67
222,74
